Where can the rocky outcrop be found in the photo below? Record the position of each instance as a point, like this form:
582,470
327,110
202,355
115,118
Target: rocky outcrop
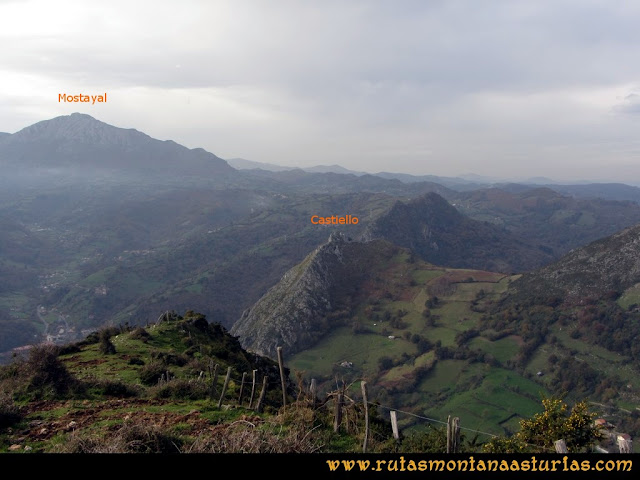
295,313
604,267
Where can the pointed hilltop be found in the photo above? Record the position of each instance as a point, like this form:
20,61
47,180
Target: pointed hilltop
440,234
297,311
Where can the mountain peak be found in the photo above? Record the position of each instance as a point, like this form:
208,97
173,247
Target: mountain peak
79,127
79,141
440,234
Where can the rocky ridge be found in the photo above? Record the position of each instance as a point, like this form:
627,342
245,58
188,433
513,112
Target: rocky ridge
294,313
605,267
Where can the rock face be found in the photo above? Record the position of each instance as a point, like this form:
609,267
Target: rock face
611,264
441,235
294,313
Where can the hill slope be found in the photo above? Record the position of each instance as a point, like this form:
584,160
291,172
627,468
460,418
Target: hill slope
557,222
441,235
604,267
482,343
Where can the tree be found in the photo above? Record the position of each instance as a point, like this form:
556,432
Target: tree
106,347
539,433
385,363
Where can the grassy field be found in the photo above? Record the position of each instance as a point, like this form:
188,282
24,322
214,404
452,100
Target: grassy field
484,397
504,349
631,296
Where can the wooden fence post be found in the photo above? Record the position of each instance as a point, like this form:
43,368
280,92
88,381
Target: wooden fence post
313,389
560,446
253,388
394,424
338,412
624,445
244,375
284,387
262,394
366,416
224,388
214,381
453,434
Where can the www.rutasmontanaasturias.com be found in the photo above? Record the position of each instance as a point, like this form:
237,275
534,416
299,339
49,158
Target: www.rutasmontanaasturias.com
471,464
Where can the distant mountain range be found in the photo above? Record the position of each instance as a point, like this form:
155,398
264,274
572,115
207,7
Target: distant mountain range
449,293
156,225
470,182
460,182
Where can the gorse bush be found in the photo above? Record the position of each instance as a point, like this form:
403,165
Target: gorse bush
47,375
152,372
9,412
256,435
170,358
557,422
140,334
130,437
181,389
106,346
113,388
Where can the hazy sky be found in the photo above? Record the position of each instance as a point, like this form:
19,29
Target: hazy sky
498,88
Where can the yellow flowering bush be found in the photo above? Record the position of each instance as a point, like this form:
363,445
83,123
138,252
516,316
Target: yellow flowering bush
556,422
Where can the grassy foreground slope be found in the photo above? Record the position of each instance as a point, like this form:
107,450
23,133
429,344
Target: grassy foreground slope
155,390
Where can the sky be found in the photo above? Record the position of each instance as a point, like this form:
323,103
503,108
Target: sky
504,89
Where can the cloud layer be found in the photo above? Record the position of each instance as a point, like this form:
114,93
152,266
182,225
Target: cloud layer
501,88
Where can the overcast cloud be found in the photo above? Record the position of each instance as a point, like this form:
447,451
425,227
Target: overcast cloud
498,88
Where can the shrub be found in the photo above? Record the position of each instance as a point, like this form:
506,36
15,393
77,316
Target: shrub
256,436
385,363
69,349
197,365
152,372
168,358
9,412
430,440
129,438
140,334
104,336
539,433
92,338
181,389
114,388
48,375
106,347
